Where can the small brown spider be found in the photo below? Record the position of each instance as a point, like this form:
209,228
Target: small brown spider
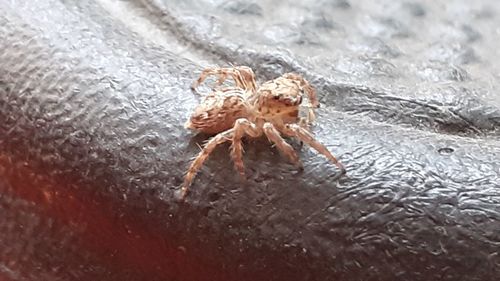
245,110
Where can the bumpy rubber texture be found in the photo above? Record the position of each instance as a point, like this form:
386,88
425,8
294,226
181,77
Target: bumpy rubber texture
92,150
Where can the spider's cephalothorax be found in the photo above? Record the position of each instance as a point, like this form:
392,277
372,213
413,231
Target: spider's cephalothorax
247,110
280,98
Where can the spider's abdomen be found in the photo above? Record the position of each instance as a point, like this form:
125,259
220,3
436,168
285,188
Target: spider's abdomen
218,112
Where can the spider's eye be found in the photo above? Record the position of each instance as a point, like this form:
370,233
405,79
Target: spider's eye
276,97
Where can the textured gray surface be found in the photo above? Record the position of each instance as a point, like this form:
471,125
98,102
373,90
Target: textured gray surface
424,64
93,96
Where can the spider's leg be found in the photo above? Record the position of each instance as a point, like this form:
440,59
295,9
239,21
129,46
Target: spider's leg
202,157
274,136
303,135
242,126
243,77
221,72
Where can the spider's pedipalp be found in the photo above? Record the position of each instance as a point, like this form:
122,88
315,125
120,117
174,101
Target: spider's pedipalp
303,135
305,86
310,92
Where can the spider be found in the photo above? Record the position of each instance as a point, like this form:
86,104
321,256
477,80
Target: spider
231,113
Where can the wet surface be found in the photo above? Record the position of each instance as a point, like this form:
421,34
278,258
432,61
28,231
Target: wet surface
93,96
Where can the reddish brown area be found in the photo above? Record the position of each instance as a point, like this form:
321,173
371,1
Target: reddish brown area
103,232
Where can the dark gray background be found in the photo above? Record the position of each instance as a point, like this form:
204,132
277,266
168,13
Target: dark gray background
93,96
